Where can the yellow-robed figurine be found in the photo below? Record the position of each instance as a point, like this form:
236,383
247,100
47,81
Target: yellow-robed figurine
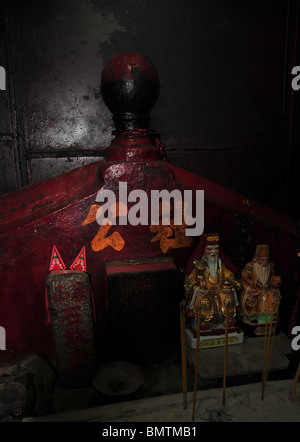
260,295
211,287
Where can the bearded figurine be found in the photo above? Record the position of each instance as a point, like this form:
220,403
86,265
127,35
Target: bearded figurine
260,295
210,288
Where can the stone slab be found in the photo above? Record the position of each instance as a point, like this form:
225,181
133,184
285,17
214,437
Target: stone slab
243,404
242,359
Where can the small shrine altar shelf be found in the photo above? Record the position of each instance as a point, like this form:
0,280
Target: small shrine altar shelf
135,272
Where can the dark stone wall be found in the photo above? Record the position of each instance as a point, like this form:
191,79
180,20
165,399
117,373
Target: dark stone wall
226,108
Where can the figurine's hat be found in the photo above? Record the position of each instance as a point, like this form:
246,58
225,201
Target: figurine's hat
205,240
262,250
211,239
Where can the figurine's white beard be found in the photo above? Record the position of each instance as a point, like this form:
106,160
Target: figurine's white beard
212,262
262,272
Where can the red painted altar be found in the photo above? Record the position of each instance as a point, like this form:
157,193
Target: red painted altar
62,211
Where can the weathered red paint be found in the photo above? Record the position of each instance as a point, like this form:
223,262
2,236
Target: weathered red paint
132,150
35,218
127,65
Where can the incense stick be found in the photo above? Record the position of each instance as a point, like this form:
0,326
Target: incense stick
268,330
225,354
292,393
265,348
183,356
196,365
268,348
273,340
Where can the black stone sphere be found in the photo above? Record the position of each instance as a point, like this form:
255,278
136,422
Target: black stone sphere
130,88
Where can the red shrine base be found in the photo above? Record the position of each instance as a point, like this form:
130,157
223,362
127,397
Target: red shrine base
61,211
